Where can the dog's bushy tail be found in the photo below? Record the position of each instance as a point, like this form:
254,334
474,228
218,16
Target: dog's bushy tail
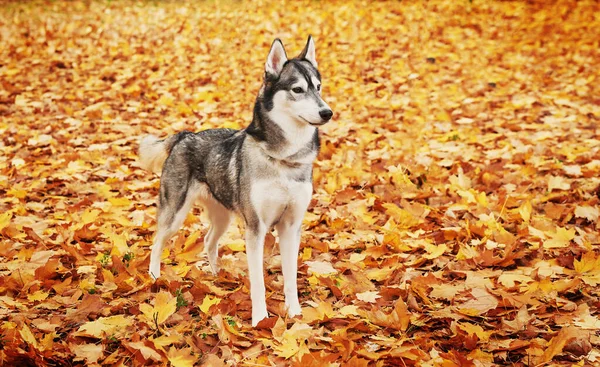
154,151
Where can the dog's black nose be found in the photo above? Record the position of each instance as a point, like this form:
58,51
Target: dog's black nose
326,114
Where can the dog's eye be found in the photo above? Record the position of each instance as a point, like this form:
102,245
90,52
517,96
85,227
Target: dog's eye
297,90
319,87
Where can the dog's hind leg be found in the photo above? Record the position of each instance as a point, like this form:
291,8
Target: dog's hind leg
176,199
219,217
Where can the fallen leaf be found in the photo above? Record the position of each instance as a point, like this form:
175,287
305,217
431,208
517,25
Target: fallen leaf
28,336
561,238
146,352
323,311
181,357
481,303
558,183
90,353
5,219
164,306
368,296
590,213
398,319
557,343
208,302
104,326
320,267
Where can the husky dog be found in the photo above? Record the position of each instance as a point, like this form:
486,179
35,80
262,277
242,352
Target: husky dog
262,173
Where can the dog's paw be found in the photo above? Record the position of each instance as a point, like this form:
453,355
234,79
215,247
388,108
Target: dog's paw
214,268
154,271
213,263
258,315
294,309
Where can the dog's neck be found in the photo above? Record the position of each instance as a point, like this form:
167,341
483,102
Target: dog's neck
285,140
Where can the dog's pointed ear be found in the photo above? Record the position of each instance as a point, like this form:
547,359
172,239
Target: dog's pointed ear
276,58
309,52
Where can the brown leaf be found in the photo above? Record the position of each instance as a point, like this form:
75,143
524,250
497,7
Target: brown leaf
143,351
90,353
398,319
556,345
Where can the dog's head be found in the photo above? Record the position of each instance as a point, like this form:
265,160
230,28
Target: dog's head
292,88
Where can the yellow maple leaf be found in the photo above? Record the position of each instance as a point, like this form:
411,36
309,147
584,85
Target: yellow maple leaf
445,291
588,263
17,193
306,253
28,336
47,342
5,219
37,296
403,218
166,340
475,329
443,116
561,238
119,242
349,310
89,216
525,211
120,202
378,274
181,269
237,245
190,242
467,252
104,191
460,181
508,279
164,306
288,348
181,357
11,72
323,311
434,251
208,301
293,341
589,268
104,326
166,101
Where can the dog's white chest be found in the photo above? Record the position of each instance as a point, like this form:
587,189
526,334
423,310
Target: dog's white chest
272,197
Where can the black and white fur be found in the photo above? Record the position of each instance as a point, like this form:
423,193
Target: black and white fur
262,173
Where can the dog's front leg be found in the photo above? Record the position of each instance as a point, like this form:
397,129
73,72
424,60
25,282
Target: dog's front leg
289,245
255,240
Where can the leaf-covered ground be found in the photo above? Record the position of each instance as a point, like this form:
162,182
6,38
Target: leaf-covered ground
455,213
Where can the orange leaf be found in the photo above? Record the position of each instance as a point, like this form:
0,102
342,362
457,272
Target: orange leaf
556,344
